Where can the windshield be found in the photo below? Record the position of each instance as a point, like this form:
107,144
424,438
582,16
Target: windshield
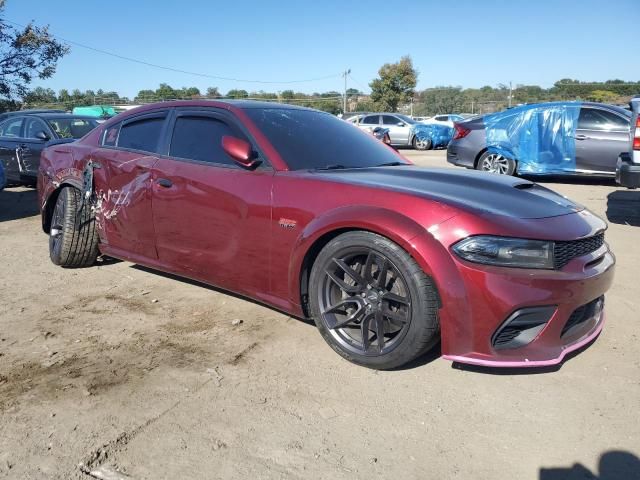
308,139
70,127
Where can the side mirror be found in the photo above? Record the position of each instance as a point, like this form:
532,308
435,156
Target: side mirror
42,136
400,124
240,151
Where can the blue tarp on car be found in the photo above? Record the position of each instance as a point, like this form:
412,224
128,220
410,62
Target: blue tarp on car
540,137
440,135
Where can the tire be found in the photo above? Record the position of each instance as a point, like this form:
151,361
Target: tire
402,303
73,240
496,163
421,145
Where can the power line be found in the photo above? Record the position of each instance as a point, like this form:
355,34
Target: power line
177,70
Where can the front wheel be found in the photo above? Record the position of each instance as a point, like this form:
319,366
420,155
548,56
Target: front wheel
73,240
496,163
372,302
421,144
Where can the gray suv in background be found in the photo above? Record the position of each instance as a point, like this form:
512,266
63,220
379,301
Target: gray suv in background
400,127
601,134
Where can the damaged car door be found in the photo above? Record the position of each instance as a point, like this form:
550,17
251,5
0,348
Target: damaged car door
212,217
37,133
10,140
122,182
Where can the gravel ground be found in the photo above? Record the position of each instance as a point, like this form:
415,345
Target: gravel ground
117,368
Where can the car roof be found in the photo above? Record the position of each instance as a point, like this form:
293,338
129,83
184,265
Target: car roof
58,115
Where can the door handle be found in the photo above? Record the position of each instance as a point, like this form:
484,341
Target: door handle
581,137
164,182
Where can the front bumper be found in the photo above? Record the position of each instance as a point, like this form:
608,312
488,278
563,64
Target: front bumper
627,172
495,293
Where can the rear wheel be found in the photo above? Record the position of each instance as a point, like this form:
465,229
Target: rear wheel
496,163
421,144
372,302
73,240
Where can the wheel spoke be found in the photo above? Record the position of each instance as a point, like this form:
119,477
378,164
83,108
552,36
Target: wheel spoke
392,297
364,328
397,317
382,273
351,272
368,268
380,330
341,308
349,289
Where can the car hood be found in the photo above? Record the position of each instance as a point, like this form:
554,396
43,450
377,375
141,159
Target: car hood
472,191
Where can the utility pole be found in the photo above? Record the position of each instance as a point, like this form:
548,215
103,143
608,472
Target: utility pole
411,107
510,94
344,74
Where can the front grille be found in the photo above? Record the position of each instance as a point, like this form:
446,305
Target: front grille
564,252
583,313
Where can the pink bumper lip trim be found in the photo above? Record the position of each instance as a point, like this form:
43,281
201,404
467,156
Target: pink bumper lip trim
534,363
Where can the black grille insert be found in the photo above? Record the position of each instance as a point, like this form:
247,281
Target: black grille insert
564,252
582,314
522,327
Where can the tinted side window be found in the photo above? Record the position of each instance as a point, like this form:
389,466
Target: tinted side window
200,138
596,119
33,126
371,120
142,135
11,128
389,120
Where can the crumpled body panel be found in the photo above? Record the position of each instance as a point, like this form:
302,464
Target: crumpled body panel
540,137
440,135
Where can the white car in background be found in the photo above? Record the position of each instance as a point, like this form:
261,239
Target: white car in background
445,119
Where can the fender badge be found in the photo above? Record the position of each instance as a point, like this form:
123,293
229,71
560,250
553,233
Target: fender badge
287,223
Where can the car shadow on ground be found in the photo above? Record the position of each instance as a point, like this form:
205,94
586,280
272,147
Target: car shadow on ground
613,465
18,203
219,290
523,370
623,207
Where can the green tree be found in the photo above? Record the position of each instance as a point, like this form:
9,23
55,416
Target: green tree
395,85
213,92
165,92
602,96
26,54
40,96
234,93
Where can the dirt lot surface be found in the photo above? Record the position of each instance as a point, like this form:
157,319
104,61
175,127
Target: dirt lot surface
118,368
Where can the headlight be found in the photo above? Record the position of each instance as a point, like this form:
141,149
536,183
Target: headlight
506,252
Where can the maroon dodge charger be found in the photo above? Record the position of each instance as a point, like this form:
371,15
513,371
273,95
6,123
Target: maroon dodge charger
304,212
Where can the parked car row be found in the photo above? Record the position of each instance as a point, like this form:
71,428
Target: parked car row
23,136
566,138
404,131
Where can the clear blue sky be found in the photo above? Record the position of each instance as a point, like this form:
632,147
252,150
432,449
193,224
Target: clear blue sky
460,42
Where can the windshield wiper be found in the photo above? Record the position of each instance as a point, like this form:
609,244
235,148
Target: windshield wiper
392,164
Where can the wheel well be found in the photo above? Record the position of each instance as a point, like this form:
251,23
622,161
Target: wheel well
48,209
475,162
310,258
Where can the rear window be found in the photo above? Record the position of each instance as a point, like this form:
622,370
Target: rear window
308,139
142,134
597,119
